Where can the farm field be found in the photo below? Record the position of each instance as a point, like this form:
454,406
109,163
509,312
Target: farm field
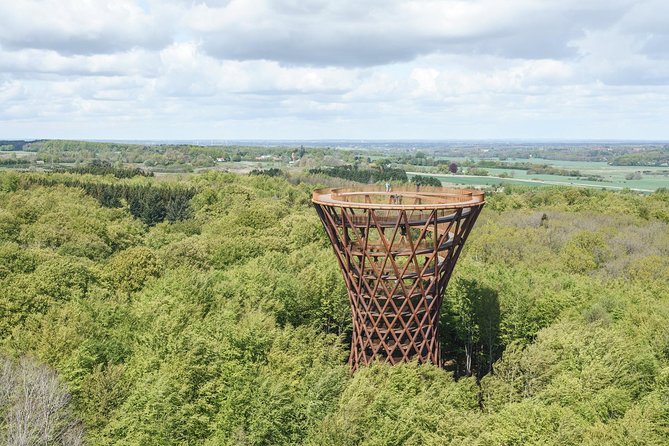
613,177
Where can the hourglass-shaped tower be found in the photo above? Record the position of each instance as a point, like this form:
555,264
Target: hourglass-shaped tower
396,250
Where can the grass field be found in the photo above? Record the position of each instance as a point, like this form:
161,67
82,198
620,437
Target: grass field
552,180
613,177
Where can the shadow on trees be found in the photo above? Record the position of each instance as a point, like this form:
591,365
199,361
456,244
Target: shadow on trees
151,204
353,173
470,328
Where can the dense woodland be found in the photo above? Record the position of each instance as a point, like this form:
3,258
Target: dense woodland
353,173
227,322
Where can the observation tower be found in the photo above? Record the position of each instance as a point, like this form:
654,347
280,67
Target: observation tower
397,249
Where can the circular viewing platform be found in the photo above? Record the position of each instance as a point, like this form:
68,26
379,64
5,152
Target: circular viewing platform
400,198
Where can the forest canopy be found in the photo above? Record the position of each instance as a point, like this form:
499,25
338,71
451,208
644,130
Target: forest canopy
211,310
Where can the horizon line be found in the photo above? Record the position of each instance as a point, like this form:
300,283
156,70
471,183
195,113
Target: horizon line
211,141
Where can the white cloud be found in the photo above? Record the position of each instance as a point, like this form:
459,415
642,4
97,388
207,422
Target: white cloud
318,68
81,27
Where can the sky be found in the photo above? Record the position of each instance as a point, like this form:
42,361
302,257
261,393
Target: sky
334,69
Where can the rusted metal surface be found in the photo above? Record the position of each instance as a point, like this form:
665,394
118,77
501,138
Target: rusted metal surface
397,250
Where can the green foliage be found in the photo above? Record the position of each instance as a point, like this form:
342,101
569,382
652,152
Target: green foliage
407,404
212,311
272,172
478,172
54,281
658,157
151,204
97,167
129,270
423,180
585,252
65,220
471,323
14,162
353,173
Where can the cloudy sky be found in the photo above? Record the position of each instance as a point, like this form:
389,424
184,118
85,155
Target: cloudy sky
291,69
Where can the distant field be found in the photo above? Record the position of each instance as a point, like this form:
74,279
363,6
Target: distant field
613,177
553,180
16,153
182,159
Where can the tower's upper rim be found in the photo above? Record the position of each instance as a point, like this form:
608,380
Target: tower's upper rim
400,198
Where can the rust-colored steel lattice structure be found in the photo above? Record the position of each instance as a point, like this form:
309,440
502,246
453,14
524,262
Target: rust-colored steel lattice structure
397,249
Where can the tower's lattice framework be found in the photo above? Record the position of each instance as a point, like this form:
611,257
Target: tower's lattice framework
397,250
